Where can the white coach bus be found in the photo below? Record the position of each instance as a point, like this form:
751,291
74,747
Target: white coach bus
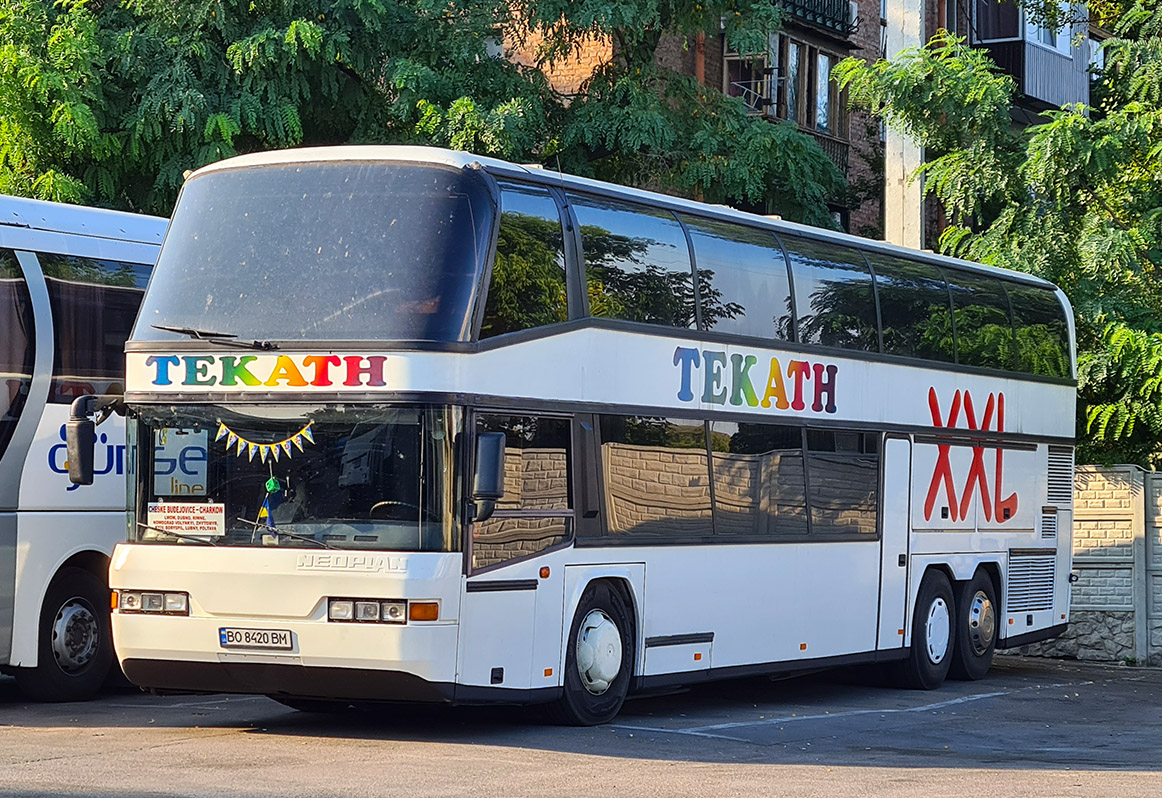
479,432
71,281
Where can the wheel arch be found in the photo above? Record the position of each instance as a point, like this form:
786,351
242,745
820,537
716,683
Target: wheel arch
628,580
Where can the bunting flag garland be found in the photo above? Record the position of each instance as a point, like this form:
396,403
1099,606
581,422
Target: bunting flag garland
264,450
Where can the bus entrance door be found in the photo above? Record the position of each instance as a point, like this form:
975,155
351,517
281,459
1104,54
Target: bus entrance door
896,531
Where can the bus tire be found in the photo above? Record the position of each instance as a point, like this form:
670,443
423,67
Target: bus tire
75,642
927,663
599,659
975,629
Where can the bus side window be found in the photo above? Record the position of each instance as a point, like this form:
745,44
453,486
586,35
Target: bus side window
1041,329
843,482
915,308
834,298
656,478
527,287
637,262
984,329
759,487
16,344
537,509
94,303
742,280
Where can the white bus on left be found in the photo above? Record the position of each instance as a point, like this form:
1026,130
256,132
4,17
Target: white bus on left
71,281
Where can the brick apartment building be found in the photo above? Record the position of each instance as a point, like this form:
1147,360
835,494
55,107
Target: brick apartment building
789,82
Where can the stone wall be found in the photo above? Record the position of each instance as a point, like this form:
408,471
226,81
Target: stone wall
535,481
1116,603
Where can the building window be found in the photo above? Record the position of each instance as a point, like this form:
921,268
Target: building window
824,94
997,21
807,95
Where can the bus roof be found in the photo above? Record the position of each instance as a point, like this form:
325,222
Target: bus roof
495,166
57,217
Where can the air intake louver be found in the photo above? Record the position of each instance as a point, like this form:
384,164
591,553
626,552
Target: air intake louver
1031,578
1049,524
1061,476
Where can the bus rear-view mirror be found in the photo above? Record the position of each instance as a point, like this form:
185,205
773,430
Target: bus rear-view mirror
488,483
79,436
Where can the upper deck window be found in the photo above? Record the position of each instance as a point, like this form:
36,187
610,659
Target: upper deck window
984,329
915,310
330,251
527,288
834,298
1042,331
637,262
742,280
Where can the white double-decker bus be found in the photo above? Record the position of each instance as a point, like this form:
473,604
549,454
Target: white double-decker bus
477,432
71,281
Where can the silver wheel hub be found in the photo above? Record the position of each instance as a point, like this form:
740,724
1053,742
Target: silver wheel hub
598,652
982,623
75,635
936,628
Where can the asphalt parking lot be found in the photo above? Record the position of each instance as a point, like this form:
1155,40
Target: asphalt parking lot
1033,728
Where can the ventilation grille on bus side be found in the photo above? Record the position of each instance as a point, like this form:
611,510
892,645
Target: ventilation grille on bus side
1061,476
1049,523
1031,578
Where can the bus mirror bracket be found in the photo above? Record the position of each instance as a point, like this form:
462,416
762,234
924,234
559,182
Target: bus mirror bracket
81,432
488,484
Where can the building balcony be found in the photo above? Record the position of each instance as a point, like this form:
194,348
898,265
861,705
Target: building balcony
1046,77
837,17
835,148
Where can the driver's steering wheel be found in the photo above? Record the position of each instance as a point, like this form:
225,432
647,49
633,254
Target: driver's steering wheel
388,506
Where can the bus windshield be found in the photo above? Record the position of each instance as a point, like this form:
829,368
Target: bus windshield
304,477
328,251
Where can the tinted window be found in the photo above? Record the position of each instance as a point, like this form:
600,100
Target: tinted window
94,303
759,488
742,280
16,344
834,298
843,478
342,250
914,308
637,263
527,288
1042,331
536,511
984,333
657,480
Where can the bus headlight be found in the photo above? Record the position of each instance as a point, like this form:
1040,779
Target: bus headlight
147,602
367,610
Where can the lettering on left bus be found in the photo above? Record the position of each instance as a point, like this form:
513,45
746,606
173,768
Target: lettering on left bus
729,380
108,458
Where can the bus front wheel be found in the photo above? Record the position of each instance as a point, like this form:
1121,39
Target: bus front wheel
74,642
599,659
976,628
932,637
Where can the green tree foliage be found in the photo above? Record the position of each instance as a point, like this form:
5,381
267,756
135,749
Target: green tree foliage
112,102
1076,199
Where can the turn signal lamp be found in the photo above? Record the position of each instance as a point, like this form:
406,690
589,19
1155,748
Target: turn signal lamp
424,611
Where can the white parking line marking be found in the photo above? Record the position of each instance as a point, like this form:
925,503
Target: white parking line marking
710,731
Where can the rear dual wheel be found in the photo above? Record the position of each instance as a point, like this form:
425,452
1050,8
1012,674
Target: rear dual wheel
954,632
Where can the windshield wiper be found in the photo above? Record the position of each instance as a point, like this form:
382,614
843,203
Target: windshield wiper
278,533
225,339
179,535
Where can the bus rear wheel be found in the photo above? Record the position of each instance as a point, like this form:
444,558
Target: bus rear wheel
599,658
932,639
976,628
75,644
